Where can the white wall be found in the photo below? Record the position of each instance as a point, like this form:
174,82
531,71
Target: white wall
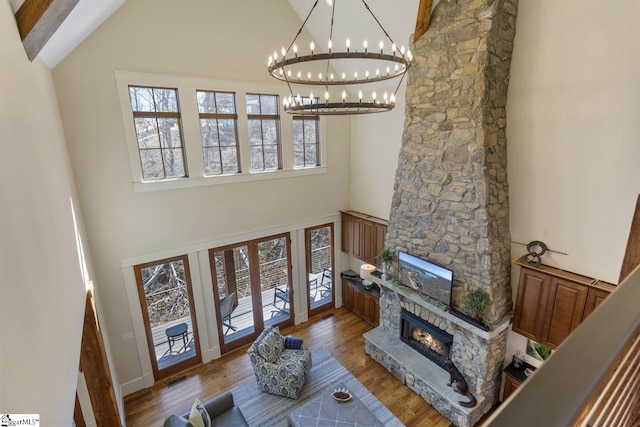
221,40
573,131
42,287
376,138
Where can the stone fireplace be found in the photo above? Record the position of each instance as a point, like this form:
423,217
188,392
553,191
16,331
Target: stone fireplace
450,202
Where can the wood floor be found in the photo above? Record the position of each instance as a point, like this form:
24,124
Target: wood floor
338,331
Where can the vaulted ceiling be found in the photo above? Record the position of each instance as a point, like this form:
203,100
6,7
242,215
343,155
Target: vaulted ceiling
398,18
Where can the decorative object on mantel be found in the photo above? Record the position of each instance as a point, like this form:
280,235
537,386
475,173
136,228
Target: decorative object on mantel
386,258
381,62
536,249
461,386
477,303
366,270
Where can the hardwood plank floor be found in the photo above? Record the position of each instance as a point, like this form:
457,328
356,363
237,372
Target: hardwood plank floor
338,331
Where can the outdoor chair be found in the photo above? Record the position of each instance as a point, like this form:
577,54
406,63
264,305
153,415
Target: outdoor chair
326,281
281,294
226,309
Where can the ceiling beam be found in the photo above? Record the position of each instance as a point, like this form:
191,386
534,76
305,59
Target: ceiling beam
37,21
424,16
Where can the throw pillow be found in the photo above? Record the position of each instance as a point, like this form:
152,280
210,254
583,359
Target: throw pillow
292,343
199,417
271,346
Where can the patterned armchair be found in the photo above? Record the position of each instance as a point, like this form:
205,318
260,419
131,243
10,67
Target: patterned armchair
279,370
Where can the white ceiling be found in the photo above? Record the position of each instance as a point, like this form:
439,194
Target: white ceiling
397,17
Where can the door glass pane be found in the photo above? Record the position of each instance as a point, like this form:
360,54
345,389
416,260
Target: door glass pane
166,295
234,292
274,280
319,244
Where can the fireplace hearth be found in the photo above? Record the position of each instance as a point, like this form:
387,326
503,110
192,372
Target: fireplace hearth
426,338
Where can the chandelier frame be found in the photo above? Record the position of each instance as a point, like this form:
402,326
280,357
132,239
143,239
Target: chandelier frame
395,65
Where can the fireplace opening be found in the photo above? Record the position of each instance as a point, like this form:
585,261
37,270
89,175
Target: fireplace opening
426,338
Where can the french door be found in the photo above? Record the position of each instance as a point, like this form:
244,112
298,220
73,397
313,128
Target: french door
166,299
252,288
320,272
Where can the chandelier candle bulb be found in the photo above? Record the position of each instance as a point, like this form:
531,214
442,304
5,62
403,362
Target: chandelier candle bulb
295,50
312,46
365,45
330,45
366,74
360,96
344,96
381,47
348,45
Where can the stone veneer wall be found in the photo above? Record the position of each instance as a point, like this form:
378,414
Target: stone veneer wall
450,201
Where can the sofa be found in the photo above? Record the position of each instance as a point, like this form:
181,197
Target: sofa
221,410
278,369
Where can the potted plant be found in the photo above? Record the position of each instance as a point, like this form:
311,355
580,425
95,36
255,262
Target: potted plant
477,304
386,258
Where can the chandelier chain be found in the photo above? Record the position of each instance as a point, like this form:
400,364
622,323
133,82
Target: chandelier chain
376,19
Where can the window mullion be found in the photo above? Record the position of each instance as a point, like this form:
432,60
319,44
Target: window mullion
286,141
243,134
192,138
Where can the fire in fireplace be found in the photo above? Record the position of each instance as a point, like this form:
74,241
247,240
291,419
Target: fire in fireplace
426,338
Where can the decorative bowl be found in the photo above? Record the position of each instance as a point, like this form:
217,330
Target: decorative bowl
341,394
367,284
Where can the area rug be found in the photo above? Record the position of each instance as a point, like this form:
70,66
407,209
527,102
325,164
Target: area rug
268,410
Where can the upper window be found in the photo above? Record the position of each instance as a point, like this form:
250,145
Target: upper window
219,132
306,139
186,132
263,116
156,114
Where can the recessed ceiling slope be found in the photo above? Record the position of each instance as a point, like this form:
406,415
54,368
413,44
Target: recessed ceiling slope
81,22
